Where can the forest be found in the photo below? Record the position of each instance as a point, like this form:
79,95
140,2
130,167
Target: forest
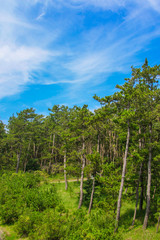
78,174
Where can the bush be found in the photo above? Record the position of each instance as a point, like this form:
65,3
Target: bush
22,192
96,226
52,226
37,212
27,221
41,198
13,192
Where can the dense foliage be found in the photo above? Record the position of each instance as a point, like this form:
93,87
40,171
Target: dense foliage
116,147
37,211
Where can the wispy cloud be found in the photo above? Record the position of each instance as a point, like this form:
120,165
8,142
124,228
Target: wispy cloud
110,48
107,50
105,4
155,4
17,65
23,46
113,5
41,36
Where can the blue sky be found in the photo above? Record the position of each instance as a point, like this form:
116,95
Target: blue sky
65,51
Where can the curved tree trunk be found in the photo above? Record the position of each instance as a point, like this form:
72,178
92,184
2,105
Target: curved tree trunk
122,179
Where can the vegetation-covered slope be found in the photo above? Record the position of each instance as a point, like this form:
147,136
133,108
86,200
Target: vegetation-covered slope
116,148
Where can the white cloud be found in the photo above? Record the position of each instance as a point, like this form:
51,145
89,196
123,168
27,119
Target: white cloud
105,4
112,5
155,4
23,46
27,42
16,67
115,54
103,50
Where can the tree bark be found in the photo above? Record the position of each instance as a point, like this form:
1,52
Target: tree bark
102,150
53,144
114,147
137,195
37,151
50,162
141,196
82,176
26,161
158,224
18,161
149,180
98,143
65,173
142,186
34,149
110,145
139,178
122,179
91,199
154,192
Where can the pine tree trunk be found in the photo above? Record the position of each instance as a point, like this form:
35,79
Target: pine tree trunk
91,200
53,144
82,176
26,161
122,179
114,147
141,196
110,146
50,162
149,180
158,224
102,151
37,151
65,173
41,162
18,161
25,166
142,186
98,144
139,178
34,149
154,192
137,195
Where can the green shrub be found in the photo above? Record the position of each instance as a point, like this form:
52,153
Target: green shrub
22,192
37,212
42,198
11,210
96,226
27,221
47,225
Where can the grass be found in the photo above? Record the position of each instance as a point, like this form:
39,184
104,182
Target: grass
136,232
70,199
10,233
59,177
